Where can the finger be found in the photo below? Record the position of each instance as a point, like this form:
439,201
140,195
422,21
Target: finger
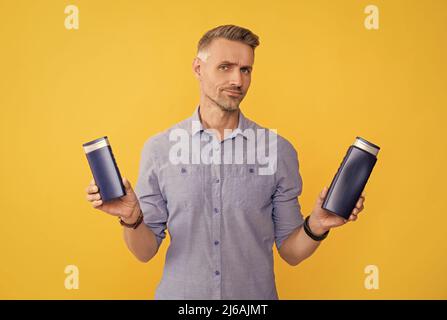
356,211
359,204
92,189
324,193
127,184
352,217
96,203
92,197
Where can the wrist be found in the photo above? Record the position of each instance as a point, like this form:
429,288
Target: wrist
133,218
316,226
313,234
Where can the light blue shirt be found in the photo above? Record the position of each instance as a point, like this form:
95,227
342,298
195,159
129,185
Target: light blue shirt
223,218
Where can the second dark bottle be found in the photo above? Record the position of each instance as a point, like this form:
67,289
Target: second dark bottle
350,180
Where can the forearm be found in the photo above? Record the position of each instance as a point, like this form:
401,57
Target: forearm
299,246
141,242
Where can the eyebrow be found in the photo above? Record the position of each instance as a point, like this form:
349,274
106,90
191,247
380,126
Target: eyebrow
234,64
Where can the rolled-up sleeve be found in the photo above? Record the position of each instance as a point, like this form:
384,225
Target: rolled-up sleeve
287,214
152,203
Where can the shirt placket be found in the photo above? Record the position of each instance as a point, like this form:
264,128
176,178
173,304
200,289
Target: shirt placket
216,177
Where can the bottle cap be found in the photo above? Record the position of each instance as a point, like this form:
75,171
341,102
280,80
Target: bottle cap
95,144
366,146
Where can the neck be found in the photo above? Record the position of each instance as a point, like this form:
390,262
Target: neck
213,117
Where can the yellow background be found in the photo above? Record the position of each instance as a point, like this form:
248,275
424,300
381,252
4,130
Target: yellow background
320,78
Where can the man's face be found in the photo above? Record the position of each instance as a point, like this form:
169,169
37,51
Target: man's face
225,74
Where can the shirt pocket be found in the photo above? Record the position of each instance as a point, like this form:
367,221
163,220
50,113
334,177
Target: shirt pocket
248,188
182,185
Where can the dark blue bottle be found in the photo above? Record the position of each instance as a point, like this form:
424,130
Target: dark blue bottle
351,177
104,169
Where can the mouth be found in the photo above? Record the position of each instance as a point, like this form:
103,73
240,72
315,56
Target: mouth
233,93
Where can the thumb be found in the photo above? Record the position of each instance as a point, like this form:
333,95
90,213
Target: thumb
323,195
127,184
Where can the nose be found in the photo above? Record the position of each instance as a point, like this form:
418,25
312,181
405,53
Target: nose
236,78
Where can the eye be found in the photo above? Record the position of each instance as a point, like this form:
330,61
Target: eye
246,70
223,67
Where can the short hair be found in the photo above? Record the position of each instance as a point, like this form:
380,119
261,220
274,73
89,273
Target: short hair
229,32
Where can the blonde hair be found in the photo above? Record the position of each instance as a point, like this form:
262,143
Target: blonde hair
229,32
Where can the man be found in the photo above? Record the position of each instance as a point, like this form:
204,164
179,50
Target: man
222,216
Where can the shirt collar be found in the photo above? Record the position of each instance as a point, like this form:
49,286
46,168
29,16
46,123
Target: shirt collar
196,126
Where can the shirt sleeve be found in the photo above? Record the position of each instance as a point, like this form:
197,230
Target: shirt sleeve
151,201
287,214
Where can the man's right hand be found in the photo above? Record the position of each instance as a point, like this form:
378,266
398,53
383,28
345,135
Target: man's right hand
126,207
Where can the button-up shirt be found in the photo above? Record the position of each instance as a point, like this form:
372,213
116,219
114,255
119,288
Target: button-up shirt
224,203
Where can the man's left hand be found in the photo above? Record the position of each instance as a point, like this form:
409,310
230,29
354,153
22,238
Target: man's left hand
322,220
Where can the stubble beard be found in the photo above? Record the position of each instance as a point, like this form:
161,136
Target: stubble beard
226,107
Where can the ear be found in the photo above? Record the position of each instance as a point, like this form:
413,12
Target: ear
196,65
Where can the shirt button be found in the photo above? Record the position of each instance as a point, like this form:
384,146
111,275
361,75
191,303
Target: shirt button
216,210
217,180
216,242
217,272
